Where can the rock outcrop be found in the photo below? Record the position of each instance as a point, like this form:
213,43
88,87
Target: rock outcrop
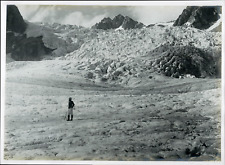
106,23
18,45
129,23
15,21
25,49
118,21
199,17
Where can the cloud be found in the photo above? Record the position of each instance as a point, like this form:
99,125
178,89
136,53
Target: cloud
154,14
78,18
27,11
44,14
74,15
87,16
36,13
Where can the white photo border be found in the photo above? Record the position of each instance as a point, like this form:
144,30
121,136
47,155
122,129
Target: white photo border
109,3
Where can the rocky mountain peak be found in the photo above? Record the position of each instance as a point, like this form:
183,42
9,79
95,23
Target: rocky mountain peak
106,23
129,23
15,21
119,20
200,17
106,20
118,17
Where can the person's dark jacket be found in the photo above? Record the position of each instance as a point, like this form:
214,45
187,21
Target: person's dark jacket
71,104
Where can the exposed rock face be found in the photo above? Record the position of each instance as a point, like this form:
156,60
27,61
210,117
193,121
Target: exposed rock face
15,21
198,17
119,20
129,23
184,17
25,49
105,24
17,43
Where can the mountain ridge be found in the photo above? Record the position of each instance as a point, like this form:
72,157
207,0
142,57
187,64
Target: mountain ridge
200,17
118,21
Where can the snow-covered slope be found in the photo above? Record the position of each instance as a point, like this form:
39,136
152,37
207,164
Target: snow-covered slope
111,122
115,54
136,43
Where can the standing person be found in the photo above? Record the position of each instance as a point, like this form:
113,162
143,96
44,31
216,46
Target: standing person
70,109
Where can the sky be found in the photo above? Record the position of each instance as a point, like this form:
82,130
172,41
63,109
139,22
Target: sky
87,16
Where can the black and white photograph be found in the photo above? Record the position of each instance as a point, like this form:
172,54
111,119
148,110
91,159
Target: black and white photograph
122,81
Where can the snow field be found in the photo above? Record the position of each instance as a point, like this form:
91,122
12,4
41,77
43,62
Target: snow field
161,120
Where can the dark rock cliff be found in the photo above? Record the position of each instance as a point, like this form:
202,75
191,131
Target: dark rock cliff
25,49
15,21
17,44
199,17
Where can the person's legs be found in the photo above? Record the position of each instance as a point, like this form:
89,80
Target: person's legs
71,114
68,119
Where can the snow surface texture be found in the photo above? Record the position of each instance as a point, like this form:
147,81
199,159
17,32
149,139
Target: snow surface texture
125,109
118,43
159,119
112,55
131,50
